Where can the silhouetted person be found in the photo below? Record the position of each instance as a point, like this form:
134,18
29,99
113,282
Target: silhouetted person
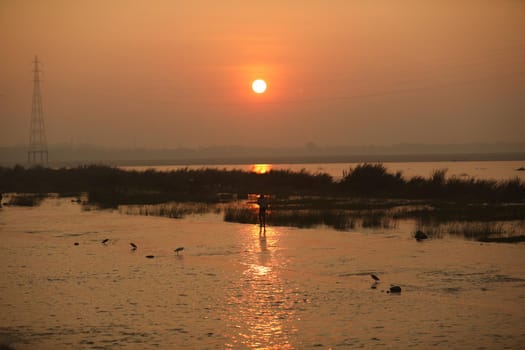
262,202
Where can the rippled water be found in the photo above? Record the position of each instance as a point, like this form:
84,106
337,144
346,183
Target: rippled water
234,288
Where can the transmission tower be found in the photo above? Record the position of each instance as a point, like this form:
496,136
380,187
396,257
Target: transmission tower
37,153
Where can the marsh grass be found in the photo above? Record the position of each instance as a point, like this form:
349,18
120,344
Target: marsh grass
479,231
295,218
367,196
508,239
170,210
25,199
378,219
307,218
339,219
240,214
432,231
438,226
476,230
442,212
109,186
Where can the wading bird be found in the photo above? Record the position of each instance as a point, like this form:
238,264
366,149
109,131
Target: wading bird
179,249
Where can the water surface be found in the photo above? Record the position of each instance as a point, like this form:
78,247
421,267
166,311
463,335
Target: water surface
233,288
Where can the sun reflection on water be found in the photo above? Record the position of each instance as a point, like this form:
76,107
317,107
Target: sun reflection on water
263,305
258,270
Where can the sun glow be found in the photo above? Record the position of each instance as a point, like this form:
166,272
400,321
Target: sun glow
261,168
259,86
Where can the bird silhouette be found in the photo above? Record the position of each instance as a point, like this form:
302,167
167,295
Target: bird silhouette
133,246
105,241
179,249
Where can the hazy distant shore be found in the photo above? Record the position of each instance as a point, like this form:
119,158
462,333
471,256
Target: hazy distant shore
386,158
68,155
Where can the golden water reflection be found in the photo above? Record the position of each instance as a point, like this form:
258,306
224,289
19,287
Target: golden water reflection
263,305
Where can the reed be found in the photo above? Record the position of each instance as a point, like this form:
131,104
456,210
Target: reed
170,210
479,231
112,186
240,214
307,218
367,196
339,219
25,200
432,231
377,219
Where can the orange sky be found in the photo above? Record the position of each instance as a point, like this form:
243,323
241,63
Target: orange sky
341,72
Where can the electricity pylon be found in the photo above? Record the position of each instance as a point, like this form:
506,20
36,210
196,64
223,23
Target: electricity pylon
37,153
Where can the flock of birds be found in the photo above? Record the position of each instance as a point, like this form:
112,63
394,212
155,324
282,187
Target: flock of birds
393,288
419,236
135,247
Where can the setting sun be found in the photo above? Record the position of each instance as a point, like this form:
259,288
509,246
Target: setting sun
261,168
259,86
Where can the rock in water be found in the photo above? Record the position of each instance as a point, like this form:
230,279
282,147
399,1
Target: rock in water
395,289
420,235
150,256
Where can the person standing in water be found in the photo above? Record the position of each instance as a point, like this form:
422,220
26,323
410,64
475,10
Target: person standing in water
262,202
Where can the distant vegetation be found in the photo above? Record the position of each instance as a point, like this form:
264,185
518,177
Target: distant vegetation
112,186
24,199
367,196
108,186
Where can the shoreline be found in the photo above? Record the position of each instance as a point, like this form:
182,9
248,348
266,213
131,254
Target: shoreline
71,155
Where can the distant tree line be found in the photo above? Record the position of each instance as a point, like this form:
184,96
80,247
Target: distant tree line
112,186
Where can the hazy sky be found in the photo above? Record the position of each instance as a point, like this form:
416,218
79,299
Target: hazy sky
339,72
